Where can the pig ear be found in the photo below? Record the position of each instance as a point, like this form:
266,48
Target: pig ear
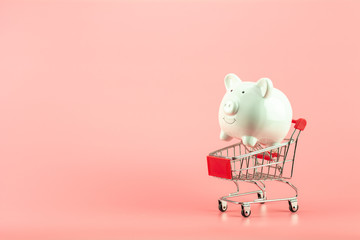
265,86
231,80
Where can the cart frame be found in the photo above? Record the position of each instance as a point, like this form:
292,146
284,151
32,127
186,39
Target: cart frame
240,163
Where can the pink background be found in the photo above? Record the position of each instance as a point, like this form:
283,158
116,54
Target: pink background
108,110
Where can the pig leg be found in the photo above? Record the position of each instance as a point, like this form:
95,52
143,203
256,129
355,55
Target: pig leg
249,140
224,136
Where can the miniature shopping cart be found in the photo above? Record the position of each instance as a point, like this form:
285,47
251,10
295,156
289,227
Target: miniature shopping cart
256,165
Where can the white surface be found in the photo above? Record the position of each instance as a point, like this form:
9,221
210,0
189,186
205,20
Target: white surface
254,112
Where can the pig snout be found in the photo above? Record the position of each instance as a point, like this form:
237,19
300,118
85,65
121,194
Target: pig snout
230,107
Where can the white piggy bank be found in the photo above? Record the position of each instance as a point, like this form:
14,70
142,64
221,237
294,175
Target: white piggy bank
254,112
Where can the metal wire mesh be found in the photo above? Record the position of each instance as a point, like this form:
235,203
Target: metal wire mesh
259,163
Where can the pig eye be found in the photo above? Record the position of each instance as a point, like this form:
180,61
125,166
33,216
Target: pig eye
243,91
231,90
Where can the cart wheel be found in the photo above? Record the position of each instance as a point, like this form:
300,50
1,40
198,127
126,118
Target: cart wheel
293,206
260,196
245,211
222,206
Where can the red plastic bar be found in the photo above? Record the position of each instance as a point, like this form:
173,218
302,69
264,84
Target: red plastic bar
300,124
219,167
267,156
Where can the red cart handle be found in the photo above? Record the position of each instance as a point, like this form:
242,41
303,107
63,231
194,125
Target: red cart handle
300,124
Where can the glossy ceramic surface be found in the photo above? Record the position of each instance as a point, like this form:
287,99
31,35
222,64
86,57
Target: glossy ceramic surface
254,111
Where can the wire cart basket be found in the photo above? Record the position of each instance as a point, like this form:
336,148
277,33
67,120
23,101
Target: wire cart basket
256,165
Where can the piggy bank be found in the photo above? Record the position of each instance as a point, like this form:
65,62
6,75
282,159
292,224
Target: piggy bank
254,112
